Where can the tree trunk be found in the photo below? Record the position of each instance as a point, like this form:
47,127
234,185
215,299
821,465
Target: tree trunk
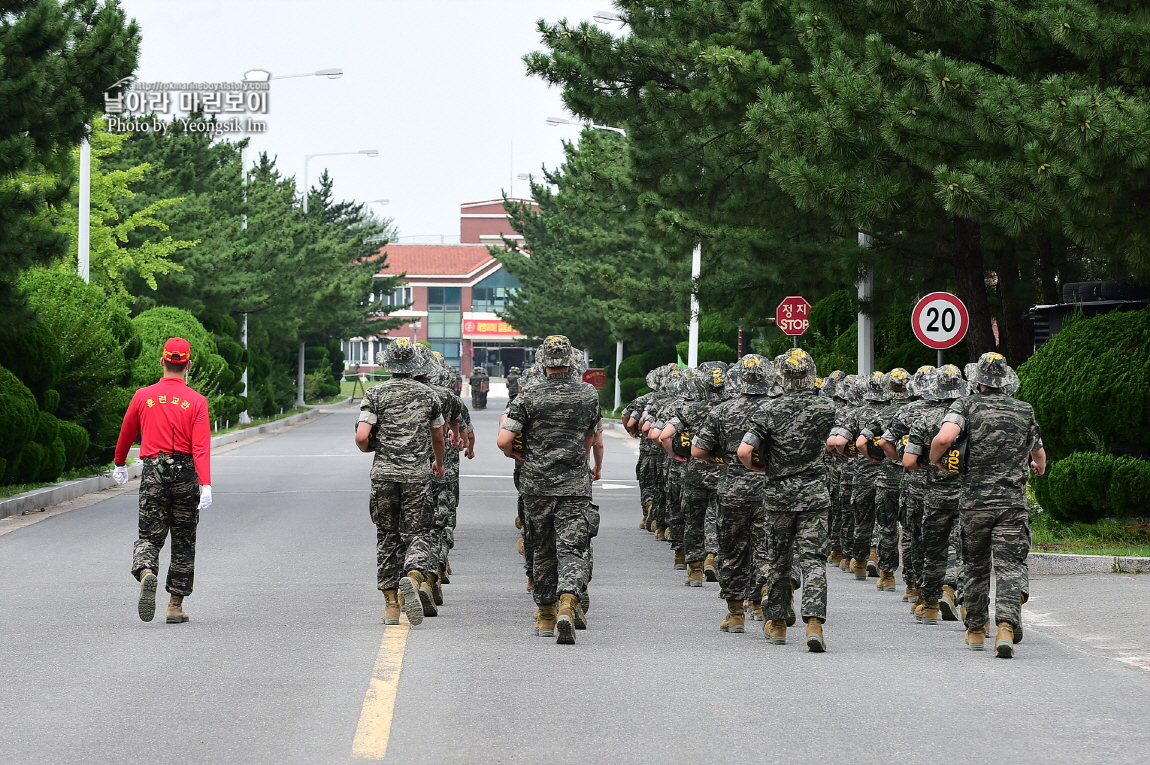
1014,331
970,276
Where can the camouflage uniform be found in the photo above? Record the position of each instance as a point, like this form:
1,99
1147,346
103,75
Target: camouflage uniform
670,515
741,523
555,415
169,500
700,480
792,429
1001,434
646,471
865,473
889,483
401,412
445,488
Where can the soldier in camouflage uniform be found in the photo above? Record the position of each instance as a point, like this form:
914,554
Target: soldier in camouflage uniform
847,398
1003,444
741,515
941,501
402,422
513,383
668,521
557,418
834,465
791,430
700,480
646,470
845,438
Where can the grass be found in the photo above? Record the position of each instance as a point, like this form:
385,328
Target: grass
260,421
69,475
1107,537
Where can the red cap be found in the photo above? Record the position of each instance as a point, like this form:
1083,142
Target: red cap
177,350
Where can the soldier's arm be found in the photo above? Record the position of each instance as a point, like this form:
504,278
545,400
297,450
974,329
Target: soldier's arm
1038,461
946,435
437,449
362,435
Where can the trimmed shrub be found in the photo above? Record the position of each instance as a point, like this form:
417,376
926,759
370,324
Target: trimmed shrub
709,351
50,401
1087,384
18,420
629,388
1087,486
75,440
35,357
155,327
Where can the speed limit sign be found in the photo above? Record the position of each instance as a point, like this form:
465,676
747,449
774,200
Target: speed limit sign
940,320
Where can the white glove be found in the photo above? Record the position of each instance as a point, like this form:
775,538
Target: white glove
120,475
205,497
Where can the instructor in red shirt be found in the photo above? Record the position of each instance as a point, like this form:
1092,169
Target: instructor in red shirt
175,447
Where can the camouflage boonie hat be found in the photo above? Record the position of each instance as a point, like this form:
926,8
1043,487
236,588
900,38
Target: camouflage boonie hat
400,357
874,389
426,361
921,381
756,374
795,370
556,351
714,373
992,371
896,384
654,378
948,383
732,384
831,383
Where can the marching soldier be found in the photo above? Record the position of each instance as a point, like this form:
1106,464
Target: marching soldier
480,385
175,447
896,391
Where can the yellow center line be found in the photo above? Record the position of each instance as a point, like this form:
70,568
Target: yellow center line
374,727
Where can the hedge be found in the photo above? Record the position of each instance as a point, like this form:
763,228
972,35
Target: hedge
18,420
1087,486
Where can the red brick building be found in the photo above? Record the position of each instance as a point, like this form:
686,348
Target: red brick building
455,292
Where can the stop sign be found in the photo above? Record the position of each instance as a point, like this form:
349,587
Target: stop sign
940,320
793,315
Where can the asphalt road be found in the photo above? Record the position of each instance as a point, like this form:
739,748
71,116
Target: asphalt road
276,664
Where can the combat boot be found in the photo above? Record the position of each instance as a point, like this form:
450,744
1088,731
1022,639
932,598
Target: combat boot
756,610
436,590
530,584
660,533
917,610
886,582
872,562
391,609
929,612
911,594
443,577
845,563
694,574
545,621
410,600
776,630
175,611
836,557
1004,641
519,547
147,605
680,560
646,514
859,568
710,570
580,615
518,523
947,606
736,619
565,622
976,639
815,641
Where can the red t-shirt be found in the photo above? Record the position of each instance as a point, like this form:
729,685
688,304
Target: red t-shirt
171,417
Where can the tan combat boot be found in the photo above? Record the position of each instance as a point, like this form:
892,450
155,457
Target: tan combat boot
710,568
518,523
872,562
519,547
436,590
929,612
680,560
886,582
580,615
911,593
175,612
391,609
530,584
443,577
975,639
917,609
660,532
859,568
426,597
585,599
565,621
757,610
694,574
545,621
410,600
815,641
776,630
146,608
646,514
845,563
836,557
1004,641
948,606
736,618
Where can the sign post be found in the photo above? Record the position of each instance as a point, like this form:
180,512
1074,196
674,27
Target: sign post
940,321
793,316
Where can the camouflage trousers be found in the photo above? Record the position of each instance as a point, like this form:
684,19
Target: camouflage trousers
647,474
886,526
955,573
938,527
846,513
528,543
835,515
742,548
697,503
911,509
1005,534
673,506
863,509
441,537
658,477
802,536
560,537
169,502
403,515
711,526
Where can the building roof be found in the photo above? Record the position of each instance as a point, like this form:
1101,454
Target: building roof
437,259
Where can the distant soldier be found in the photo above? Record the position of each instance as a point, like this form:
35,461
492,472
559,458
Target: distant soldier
513,383
480,385
402,421
558,418
175,447
1002,445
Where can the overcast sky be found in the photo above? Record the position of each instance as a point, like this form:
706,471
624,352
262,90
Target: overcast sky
438,86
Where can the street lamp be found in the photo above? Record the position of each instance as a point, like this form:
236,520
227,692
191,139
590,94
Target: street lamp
309,157
555,121
609,17
331,74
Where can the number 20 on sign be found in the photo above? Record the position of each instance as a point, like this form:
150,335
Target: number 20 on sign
940,320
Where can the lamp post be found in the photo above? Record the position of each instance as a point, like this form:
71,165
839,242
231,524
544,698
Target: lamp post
865,322
556,121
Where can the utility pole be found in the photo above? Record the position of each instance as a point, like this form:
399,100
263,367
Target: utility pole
83,242
618,363
693,332
865,322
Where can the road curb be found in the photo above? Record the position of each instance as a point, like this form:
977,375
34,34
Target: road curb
1057,563
63,492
